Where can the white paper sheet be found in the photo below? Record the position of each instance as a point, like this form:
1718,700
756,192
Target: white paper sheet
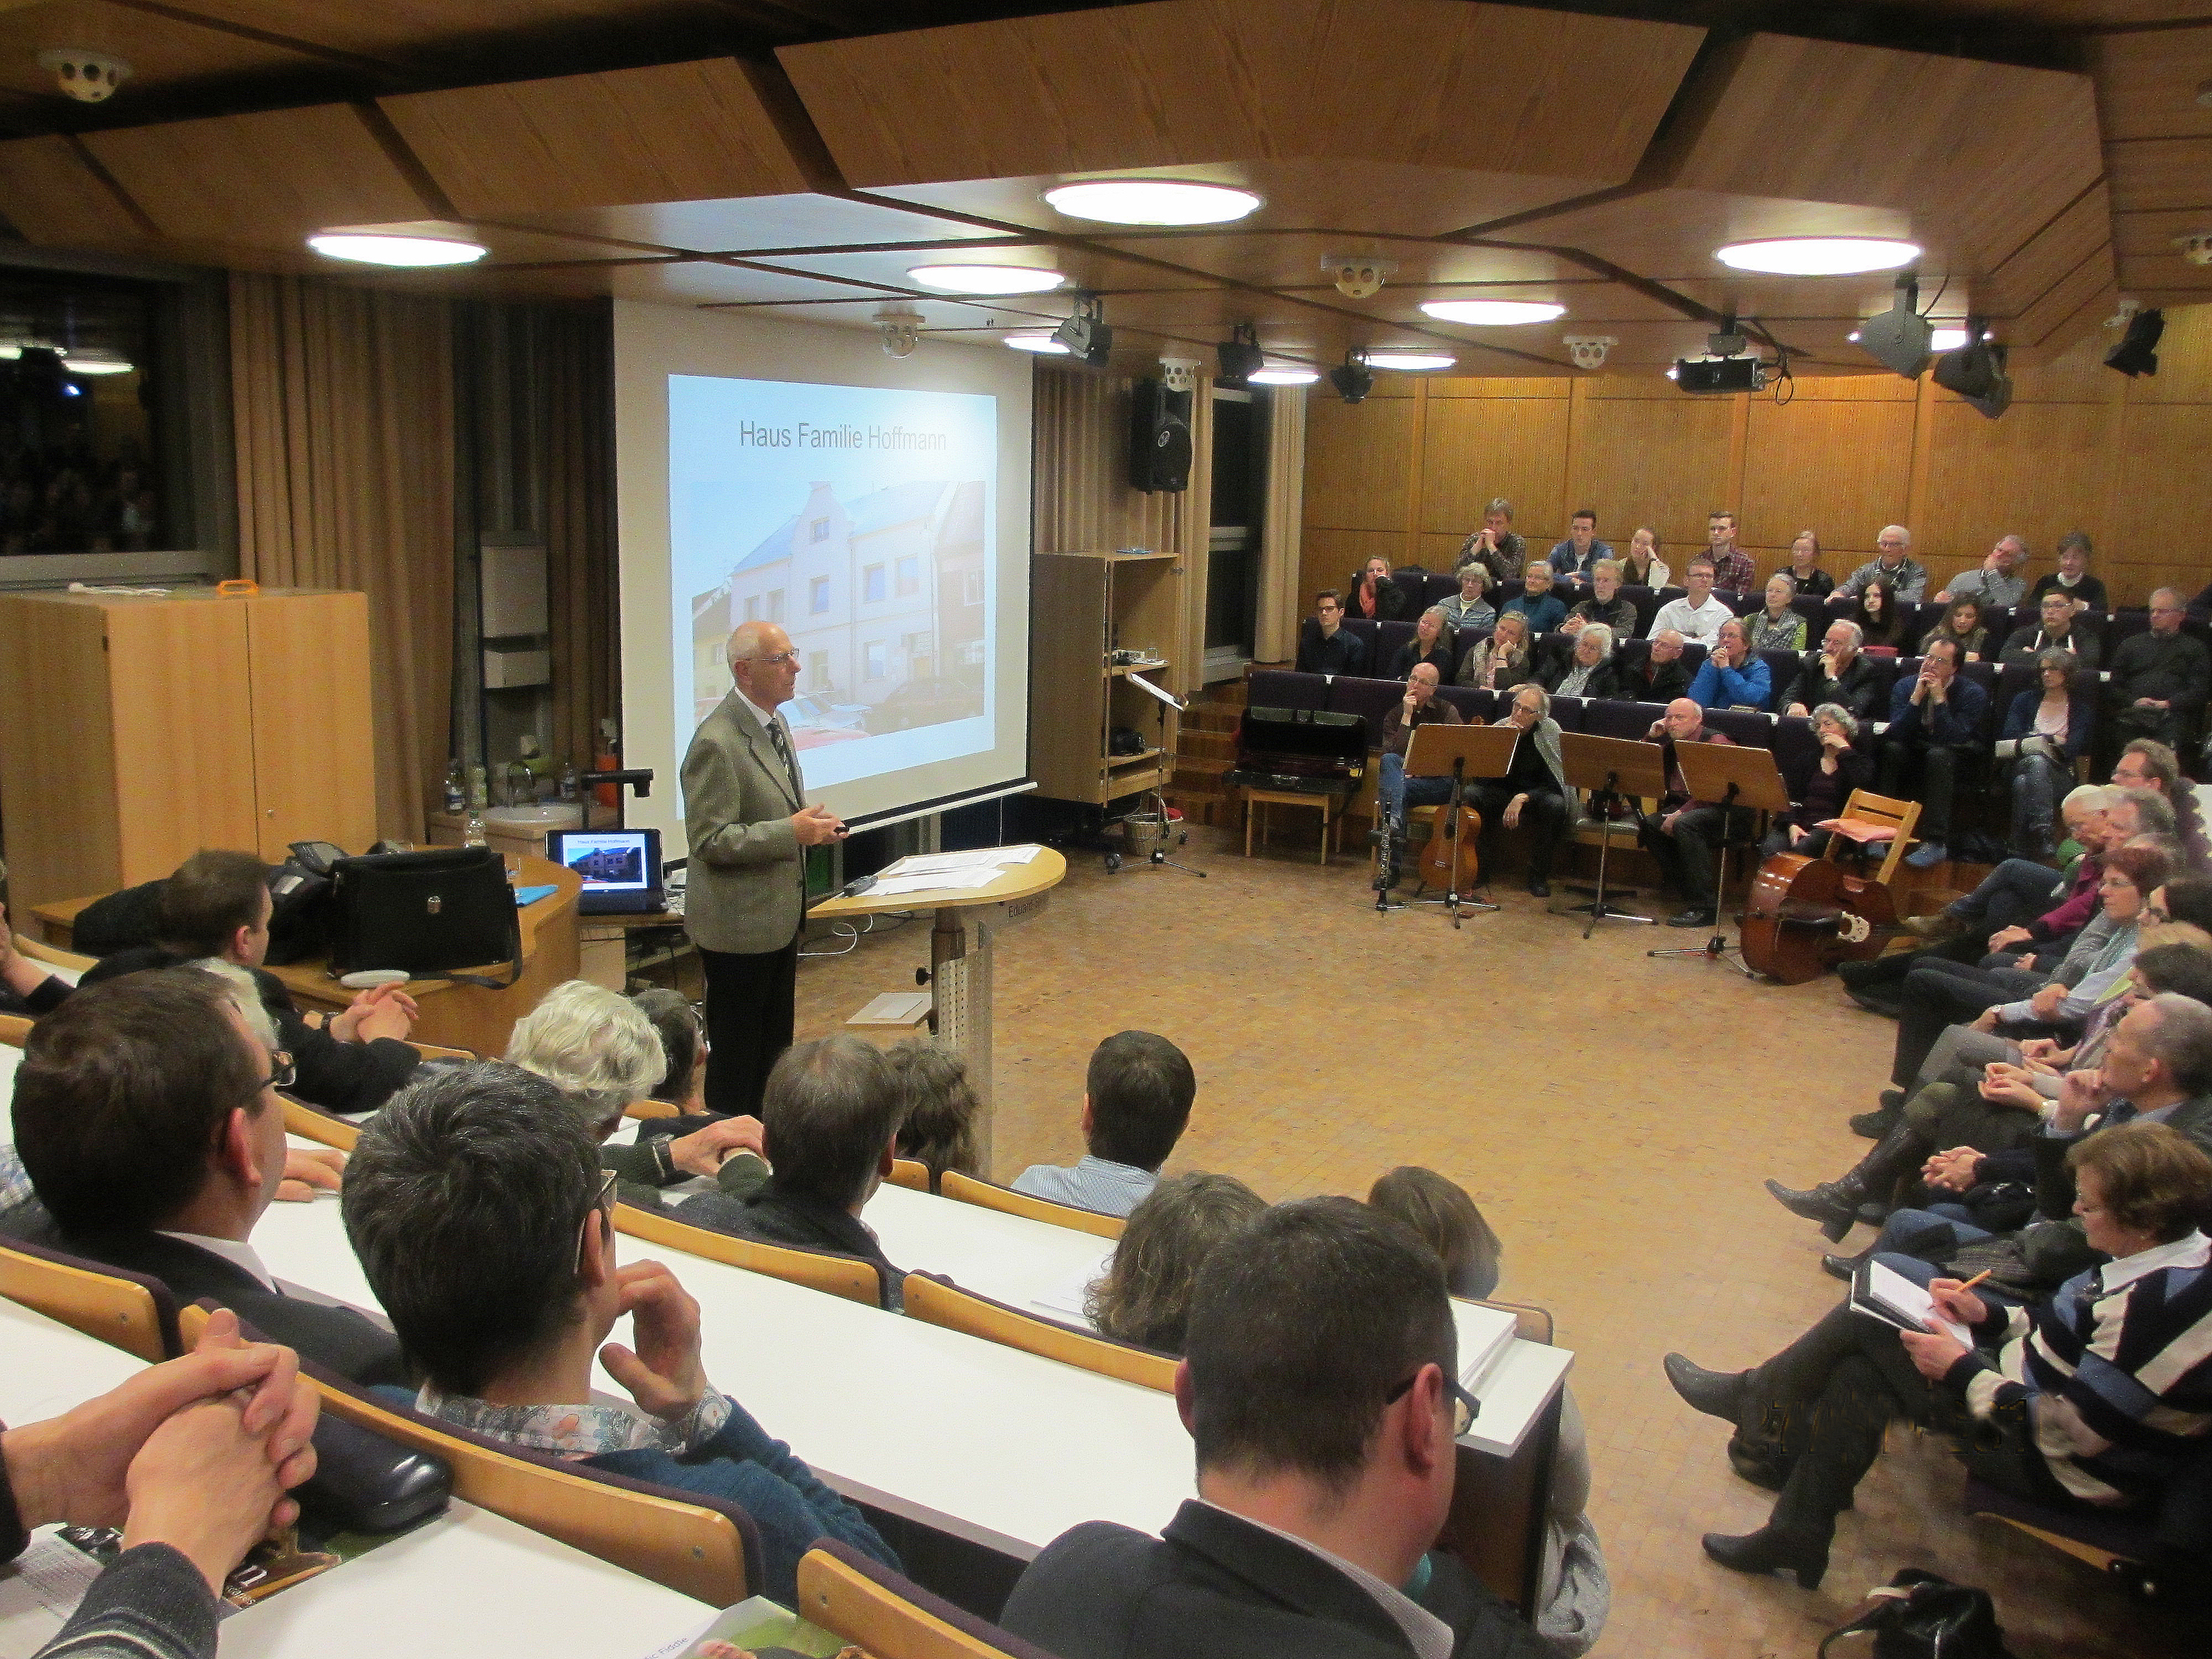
39,1591
951,881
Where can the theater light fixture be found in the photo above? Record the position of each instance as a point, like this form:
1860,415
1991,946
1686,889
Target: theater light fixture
987,279
1284,374
1410,361
1493,313
1151,202
1899,339
1239,357
1352,378
2137,351
1043,344
1818,256
1086,337
370,247
1975,370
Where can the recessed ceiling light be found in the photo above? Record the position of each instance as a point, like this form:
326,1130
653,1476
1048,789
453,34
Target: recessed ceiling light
1492,312
1819,256
1043,344
1151,202
1673,372
371,248
1283,374
95,363
1946,339
1409,360
987,279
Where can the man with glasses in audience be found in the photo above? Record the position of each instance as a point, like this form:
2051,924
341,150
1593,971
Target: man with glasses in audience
745,813
1996,583
2159,680
1328,646
1893,563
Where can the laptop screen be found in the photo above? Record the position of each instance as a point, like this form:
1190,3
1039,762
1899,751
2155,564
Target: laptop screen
610,860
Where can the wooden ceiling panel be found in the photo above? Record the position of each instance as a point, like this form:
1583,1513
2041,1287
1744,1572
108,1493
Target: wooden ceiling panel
2147,83
268,179
1783,299
2082,235
2157,175
676,133
1102,271
419,29
2148,257
1427,82
50,196
1293,258
162,52
753,222
2042,325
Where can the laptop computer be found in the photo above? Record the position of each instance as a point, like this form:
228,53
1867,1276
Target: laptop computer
621,869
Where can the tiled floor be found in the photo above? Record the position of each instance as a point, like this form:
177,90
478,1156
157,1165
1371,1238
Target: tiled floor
1614,1116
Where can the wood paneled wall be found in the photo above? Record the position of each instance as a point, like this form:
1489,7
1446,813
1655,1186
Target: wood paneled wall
1407,473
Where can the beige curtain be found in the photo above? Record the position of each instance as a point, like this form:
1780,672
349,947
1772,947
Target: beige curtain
582,598
343,402
1275,629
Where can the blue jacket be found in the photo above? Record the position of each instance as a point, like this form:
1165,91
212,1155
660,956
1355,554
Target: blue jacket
1961,719
1544,613
2080,720
1716,687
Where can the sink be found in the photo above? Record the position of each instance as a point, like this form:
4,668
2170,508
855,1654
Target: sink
549,815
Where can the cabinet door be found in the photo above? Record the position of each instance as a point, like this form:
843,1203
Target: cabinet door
314,746
57,751
184,731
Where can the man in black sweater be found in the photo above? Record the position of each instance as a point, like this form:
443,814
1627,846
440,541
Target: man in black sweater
1328,646
1838,672
2159,681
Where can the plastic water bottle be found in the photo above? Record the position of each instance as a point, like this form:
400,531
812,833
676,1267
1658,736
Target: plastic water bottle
457,792
475,833
569,787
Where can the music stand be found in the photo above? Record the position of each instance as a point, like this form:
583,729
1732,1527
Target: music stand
1736,777
1463,754
1611,768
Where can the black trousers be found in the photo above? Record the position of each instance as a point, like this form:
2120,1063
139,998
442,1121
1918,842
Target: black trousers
1687,858
1938,768
1543,816
748,1021
1939,993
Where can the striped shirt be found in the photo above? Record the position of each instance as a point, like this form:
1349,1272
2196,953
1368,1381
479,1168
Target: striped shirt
1093,1184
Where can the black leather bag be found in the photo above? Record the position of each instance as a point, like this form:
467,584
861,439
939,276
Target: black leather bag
1919,1615
426,914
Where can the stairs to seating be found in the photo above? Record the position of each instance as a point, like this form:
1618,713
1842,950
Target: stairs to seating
1206,750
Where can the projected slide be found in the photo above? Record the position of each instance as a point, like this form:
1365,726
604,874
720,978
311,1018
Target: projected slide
862,520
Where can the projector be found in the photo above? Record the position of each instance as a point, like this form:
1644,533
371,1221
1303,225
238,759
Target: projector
1703,375
1086,337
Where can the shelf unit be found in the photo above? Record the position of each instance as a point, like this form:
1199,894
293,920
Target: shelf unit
1084,606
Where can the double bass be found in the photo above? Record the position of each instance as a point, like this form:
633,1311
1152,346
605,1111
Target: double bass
1805,915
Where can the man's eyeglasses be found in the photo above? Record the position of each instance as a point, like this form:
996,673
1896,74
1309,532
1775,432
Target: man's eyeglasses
774,660
283,1073
601,1206
1465,1406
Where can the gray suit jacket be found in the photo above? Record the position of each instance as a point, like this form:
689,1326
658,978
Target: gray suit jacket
745,892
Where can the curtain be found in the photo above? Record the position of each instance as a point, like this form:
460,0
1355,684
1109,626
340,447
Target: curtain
576,392
1275,629
341,399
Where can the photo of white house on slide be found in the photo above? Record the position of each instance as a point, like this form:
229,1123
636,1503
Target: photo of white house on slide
882,595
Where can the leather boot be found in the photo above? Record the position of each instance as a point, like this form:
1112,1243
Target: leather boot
1717,1393
1768,1549
1835,1204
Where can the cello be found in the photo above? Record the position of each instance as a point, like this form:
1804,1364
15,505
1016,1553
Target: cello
1806,913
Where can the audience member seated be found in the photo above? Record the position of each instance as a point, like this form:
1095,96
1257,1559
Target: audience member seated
1603,604
1961,623
1880,619
1732,567
1937,722
1575,1593
2023,901
1468,609
2072,577
1534,792
1580,553
1732,675
1497,547
1536,604
1393,791
1996,582
146,1116
191,1461
2046,730
2146,764
1775,626
938,1108
484,1225
1374,595
217,905
1699,616
1838,672
1432,643
1841,769
1662,677
2054,630
1686,835
602,1052
1505,659
1893,565
1137,1095
1325,646
26,986
1805,567
1143,1296
2158,679
1321,1388
1642,565
2034,1419
1588,668
683,1037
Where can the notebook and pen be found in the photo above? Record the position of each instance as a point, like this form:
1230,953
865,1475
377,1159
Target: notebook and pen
1885,1294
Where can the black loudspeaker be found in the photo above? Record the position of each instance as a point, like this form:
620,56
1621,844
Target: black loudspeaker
1159,437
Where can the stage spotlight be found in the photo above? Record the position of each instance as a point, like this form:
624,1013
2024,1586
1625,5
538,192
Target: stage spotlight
1976,372
1352,379
1240,355
1086,334
2137,351
1898,339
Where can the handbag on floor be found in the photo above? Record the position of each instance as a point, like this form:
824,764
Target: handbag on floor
1920,1615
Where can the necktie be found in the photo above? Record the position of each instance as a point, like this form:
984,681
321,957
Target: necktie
783,753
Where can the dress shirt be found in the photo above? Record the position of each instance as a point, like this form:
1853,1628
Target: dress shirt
778,740
1692,622
1732,571
2191,1250
1428,1635
1095,1183
590,1429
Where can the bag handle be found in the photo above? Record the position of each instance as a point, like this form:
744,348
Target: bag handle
1886,1598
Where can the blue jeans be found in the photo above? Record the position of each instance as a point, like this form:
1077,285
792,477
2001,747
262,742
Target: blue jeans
1904,1223
2037,784
1395,792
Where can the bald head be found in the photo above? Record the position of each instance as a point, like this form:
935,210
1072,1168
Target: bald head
762,662
1683,719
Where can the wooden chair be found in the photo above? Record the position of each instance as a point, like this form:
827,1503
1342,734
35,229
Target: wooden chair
436,1051
699,1546
14,1031
910,1172
936,1300
862,1602
125,1310
1530,1323
52,955
969,1190
1877,812
313,1123
847,1276
645,1110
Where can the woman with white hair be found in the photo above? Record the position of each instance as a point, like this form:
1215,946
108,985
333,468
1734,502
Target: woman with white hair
1589,670
1842,768
601,1051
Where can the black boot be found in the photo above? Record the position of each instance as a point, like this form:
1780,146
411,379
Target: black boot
1717,1393
1768,1549
1835,1204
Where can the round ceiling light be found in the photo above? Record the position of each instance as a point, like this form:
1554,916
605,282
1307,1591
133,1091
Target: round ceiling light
1043,344
409,253
1283,374
95,363
1410,360
1819,256
987,279
1946,339
1493,313
1151,202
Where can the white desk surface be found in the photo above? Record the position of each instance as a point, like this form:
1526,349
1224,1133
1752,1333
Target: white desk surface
50,1367
10,1058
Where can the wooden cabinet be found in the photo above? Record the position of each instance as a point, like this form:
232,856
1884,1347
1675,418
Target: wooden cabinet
136,731
1083,607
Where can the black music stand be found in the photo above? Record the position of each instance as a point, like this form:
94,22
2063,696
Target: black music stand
1735,776
1611,768
1464,754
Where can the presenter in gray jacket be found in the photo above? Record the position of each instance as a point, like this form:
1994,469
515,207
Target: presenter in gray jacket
745,813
